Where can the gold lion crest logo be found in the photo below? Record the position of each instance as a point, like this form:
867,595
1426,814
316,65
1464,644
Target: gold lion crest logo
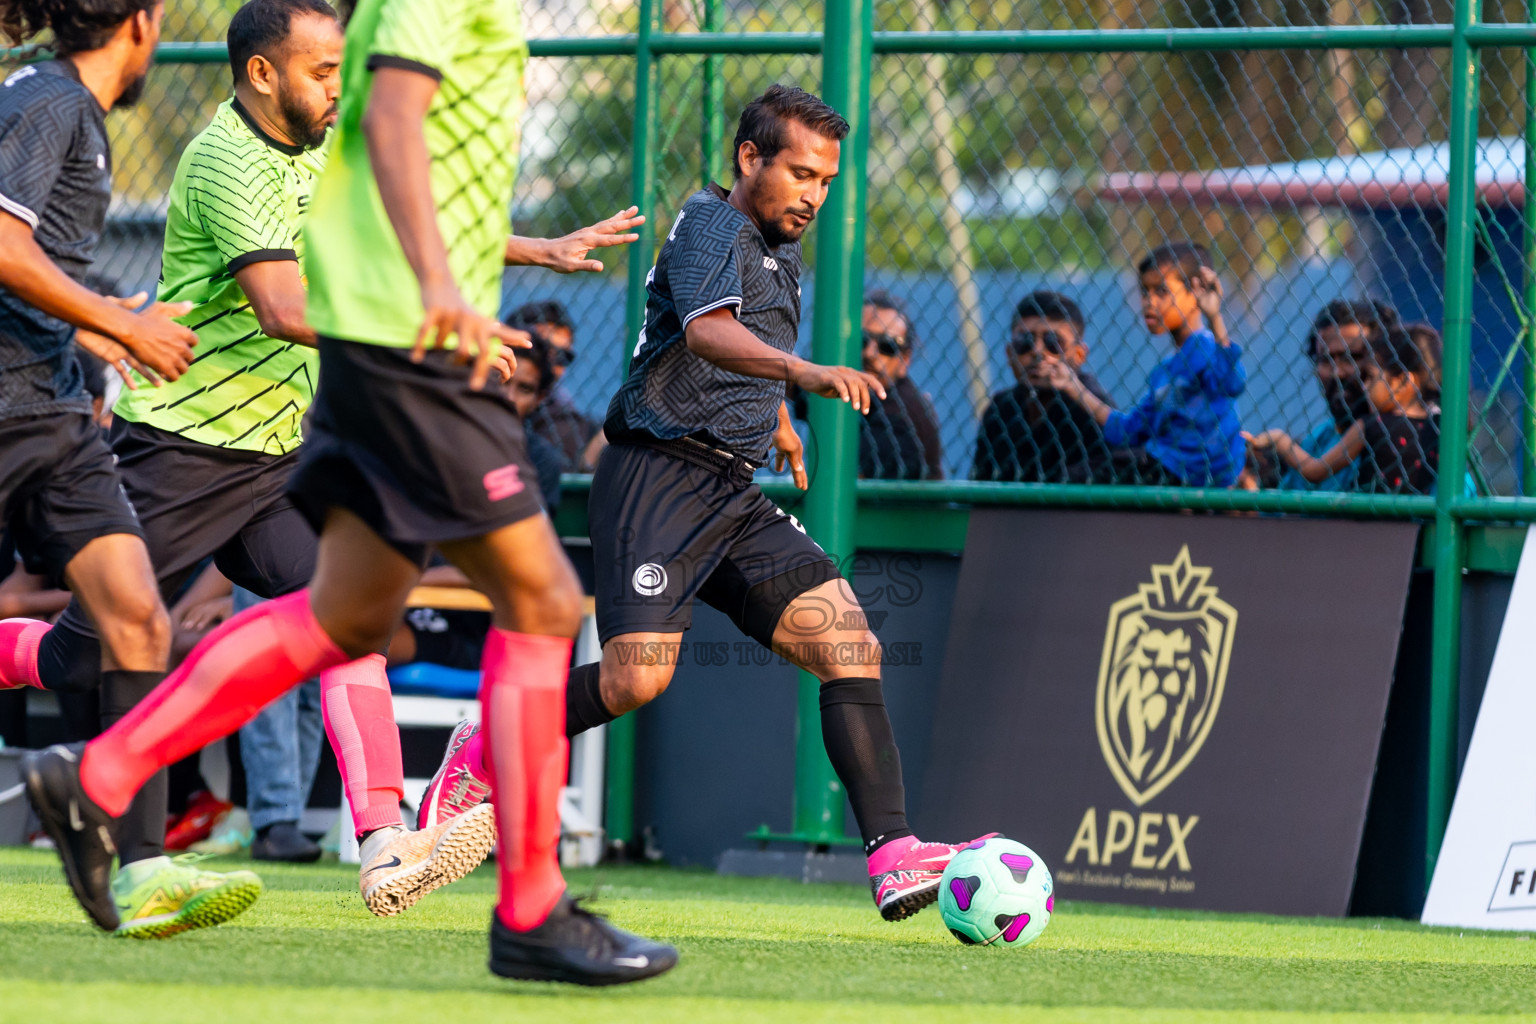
1166,652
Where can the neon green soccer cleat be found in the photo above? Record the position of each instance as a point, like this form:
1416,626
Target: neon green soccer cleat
160,897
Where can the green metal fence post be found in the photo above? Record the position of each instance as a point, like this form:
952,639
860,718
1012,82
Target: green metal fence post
1528,208
1466,67
619,807
712,138
832,502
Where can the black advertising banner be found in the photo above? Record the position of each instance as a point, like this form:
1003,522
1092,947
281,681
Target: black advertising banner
1178,710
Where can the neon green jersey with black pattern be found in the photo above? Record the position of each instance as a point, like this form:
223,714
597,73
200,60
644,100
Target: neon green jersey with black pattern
238,198
361,287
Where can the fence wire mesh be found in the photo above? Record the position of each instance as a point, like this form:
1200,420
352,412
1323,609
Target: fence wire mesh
1310,176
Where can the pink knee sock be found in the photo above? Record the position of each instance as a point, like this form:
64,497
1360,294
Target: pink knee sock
522,711
237,670
360,721
19,639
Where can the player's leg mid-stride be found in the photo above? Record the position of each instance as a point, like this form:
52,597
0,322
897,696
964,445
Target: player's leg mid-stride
60,492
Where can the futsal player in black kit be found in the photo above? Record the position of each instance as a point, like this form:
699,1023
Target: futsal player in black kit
60,493
674,512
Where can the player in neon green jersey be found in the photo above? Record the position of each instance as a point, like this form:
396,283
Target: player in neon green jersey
406,450
205,459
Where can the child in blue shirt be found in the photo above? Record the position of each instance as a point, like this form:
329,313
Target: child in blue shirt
1186,423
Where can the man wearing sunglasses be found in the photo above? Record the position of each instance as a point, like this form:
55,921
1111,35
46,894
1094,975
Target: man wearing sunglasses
899,439
1030,432
556,418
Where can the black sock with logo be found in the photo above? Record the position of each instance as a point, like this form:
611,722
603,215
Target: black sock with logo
140,832
862,749
584,707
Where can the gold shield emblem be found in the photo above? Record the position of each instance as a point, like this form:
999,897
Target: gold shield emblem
1164,667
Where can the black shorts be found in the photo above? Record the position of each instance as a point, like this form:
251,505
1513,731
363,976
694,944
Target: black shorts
411,450
196,501
665,531
59,489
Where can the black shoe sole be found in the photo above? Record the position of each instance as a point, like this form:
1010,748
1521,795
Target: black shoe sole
910,904
534,972
98,905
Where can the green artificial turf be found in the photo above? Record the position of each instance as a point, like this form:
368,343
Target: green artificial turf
752,950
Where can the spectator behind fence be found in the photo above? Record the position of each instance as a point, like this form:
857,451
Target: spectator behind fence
1032,432
1340,345
557,420
1397,445
899,438
1432,347
530,387
1185,429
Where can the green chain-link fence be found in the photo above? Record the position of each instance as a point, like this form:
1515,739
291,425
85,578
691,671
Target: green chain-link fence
1320,150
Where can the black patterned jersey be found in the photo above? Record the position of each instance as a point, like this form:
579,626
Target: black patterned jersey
56,176
714,258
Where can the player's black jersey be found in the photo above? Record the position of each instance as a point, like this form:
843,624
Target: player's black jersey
56,176
713,258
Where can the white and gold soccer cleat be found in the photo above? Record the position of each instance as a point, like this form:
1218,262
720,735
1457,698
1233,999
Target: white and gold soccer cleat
400,867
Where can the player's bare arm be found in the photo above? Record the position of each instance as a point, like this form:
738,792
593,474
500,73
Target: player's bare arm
397,149
720,338
789,450
151,338
568,254
276,291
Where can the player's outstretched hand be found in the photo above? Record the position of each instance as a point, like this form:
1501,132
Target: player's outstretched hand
569,254
844,382
789,450
154,338
448,316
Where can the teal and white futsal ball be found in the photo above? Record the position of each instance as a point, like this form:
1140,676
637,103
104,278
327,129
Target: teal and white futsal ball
996,892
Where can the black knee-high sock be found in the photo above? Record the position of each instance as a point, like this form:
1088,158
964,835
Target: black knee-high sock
584,707
862,748
141,830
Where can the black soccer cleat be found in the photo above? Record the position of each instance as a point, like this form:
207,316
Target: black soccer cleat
80,830
576,946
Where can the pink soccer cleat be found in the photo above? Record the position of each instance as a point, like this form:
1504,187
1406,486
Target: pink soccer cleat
904,874
460,783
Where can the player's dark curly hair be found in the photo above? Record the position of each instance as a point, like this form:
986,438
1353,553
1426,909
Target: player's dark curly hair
261,27
763,122
77,25
1376,316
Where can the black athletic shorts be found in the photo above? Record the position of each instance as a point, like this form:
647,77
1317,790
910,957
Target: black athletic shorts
196,501
411,450
59,489
665,531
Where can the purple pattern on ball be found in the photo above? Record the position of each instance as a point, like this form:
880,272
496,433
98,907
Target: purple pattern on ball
1012,927
963,889
1018,864
1050,904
